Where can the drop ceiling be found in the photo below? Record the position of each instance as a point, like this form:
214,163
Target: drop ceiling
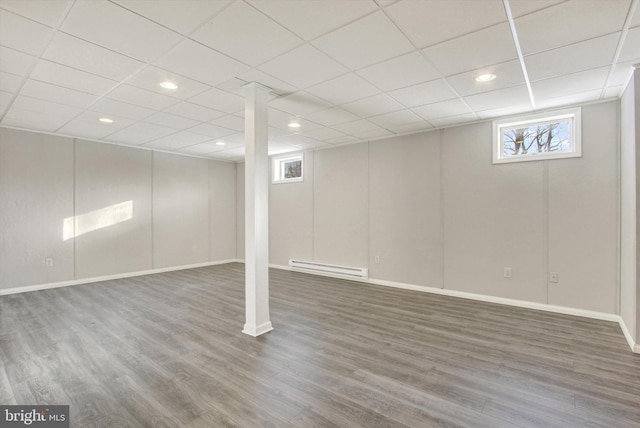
346,70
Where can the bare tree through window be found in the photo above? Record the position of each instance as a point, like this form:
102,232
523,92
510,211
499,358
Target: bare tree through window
539,138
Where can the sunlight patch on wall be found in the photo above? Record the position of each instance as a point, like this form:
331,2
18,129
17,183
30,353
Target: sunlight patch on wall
98,219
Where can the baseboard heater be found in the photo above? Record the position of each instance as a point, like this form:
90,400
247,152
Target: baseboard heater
329,270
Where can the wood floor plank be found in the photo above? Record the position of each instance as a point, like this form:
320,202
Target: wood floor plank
166,350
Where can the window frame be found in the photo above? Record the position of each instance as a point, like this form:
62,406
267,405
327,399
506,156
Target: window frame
277,166
538,119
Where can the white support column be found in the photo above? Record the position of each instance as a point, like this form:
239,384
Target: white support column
256,211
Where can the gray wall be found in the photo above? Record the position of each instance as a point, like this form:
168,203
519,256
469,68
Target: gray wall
628,231
438,213
129,209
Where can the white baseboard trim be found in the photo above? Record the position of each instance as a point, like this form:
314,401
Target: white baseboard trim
635,347
484,298
37,287
257,330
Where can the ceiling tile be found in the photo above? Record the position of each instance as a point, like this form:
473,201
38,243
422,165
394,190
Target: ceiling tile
176,141
569,84
232,122
124,110
171,120
367,41
631,47
505,111
342,140
485,47
332,116
49,92
635,19
276,148
524,7
211,130
499,98
614,91
299,104
87,126
47,12
280,119
343,89
204,148
431,22
61,75
22,34
303,67
111,26
5,99
193,111
45,107
313,144
237,138
395,119
323,134
201,63
411,128
621,74
141,97
573,58
570,22
358,127
29,119
15,62
76,53
375,134
246,34
219,100
140,133
508,74
581,97
312,18
405,70
373,106
179,15
453,120
150,78
294,139
277,86
454,107
424,93
10,82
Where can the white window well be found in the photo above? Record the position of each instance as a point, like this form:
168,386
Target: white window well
287,169
541,136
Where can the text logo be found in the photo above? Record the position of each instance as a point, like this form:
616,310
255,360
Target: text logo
34,416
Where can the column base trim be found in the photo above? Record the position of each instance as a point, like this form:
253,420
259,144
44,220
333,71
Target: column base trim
257,330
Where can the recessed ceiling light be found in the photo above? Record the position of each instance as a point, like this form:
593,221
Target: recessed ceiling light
105,120
485,77
294,125
220,143
169,85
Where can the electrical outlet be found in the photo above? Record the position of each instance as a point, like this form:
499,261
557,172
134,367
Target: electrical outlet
553,277
48,262
507,272
376,259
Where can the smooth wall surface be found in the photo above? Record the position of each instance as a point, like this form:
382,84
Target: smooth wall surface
180,210
437,212
99,209
493,219
291,217
405,207
583,226
113,209
341,206
222,210
36,197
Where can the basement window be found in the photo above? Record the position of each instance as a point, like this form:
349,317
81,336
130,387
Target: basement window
287,169
551,135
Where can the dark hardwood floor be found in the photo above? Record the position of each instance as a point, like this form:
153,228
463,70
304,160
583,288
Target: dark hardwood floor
167,350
